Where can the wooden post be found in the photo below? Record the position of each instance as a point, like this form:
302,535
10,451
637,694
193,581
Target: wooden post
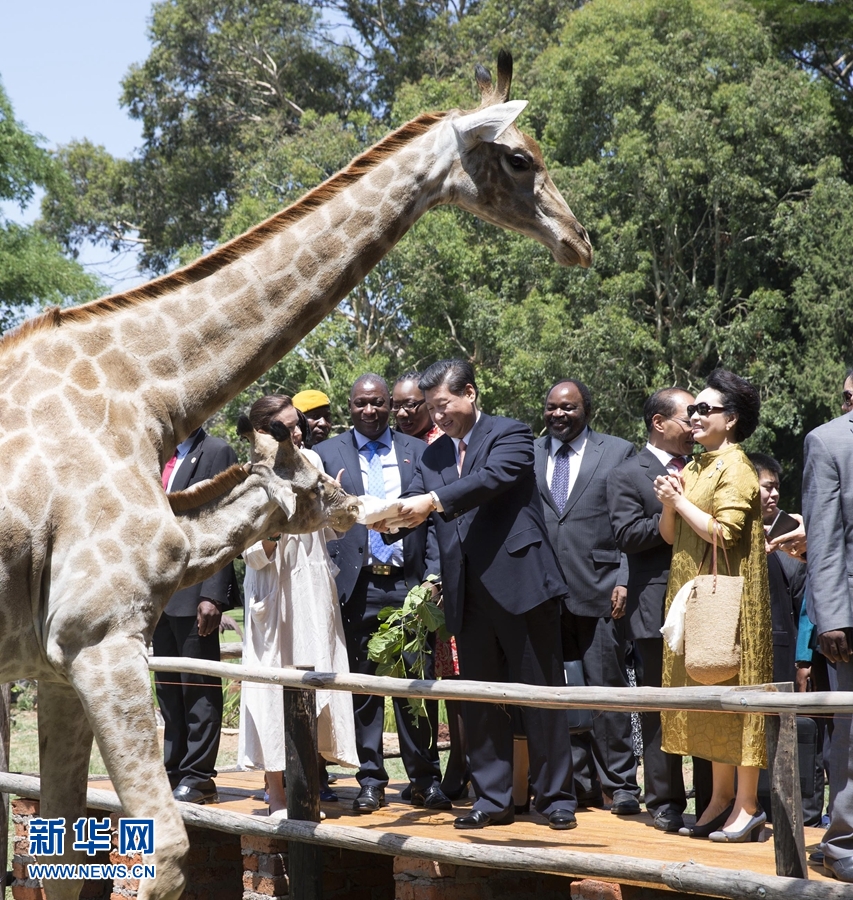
5,729
305,861
786,802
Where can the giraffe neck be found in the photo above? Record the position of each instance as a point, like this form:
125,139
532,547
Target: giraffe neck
196,347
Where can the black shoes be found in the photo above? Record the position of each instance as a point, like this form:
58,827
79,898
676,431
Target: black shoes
327,795
203,793
432,798
625,804
562,820
479,819
369,799
669,821
842,869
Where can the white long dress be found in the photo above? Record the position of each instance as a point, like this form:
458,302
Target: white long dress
292,618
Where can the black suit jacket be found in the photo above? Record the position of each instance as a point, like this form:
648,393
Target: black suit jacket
635,514
581,535
492,523
787,578
350,552
208,456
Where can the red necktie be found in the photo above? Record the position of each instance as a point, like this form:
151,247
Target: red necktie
677,463
462,448
167,470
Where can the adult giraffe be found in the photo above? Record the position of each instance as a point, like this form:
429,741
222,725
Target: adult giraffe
94,399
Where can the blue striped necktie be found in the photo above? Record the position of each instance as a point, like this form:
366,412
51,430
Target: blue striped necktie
560,477
379,550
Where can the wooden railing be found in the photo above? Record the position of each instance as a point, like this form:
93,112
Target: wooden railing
776,701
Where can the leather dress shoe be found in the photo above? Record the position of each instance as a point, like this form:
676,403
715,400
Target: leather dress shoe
205,793
669,821
842,869
817,856
406,793
562,820
479,819
369,799
625,804
432,798
459,793
327,795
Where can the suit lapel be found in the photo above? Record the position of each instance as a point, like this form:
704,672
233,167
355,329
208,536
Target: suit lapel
404,460
541,451
189,464
352,464
650,464
444,445
477,439
591,458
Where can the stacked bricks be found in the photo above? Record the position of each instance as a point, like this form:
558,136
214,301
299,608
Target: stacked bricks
214,865
346,873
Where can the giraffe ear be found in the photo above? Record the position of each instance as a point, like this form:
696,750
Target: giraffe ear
282,493
489,123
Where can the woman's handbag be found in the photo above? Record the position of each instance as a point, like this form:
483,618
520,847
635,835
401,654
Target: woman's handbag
712,624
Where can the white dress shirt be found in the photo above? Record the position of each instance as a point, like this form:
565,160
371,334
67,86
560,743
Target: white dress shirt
665,458
181,452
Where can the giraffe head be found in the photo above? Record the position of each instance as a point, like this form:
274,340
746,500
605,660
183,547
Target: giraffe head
307,499
500,175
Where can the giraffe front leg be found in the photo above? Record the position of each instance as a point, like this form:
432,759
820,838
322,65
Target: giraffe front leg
65,745
112,680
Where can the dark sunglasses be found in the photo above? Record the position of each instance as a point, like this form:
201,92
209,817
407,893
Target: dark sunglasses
703,409
848,397
411,406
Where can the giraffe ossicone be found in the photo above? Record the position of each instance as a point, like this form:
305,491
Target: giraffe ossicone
94,399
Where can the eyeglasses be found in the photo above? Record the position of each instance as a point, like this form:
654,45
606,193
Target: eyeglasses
848,397
703,409
410,406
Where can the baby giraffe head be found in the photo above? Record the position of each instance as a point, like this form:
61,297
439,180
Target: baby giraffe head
306,498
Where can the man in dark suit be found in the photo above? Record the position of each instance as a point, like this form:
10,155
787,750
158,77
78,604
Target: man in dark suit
502,588
634,515
572,464
374,575
192,704
828,511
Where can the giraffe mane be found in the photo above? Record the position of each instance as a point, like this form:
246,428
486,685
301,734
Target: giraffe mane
217,259
205,491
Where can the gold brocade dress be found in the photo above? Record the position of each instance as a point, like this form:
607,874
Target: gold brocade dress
724,484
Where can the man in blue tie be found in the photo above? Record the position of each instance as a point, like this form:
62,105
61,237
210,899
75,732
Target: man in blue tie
374,575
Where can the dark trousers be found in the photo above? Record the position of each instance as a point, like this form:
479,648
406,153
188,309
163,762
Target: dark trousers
191,705
604,757
495,645
418,740
662,772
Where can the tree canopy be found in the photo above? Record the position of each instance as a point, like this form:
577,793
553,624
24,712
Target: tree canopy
33,270
707,146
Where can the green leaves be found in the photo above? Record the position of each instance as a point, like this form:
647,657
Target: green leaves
400,644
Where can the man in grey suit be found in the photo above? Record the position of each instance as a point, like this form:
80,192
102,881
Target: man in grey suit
635,514
828,510
572,463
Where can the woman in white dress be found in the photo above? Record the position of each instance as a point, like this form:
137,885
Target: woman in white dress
292,618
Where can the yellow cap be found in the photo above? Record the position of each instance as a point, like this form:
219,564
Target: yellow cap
305,401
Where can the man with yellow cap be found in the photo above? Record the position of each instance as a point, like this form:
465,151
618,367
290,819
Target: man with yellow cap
317,409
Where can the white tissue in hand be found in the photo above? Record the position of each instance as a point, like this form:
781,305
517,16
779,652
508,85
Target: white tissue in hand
376,509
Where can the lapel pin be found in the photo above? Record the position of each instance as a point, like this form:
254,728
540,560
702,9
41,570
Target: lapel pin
193,459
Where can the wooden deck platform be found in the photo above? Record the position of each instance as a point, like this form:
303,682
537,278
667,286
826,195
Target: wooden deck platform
598,831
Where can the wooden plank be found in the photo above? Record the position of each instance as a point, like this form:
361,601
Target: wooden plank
5,730
305,861
586,861
786,801
758,699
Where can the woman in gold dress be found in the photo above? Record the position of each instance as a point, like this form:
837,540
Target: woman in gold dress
719,490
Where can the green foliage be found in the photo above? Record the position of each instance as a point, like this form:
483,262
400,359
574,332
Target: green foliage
400,648
33,270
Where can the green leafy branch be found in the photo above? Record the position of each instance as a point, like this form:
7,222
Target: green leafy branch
399,647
